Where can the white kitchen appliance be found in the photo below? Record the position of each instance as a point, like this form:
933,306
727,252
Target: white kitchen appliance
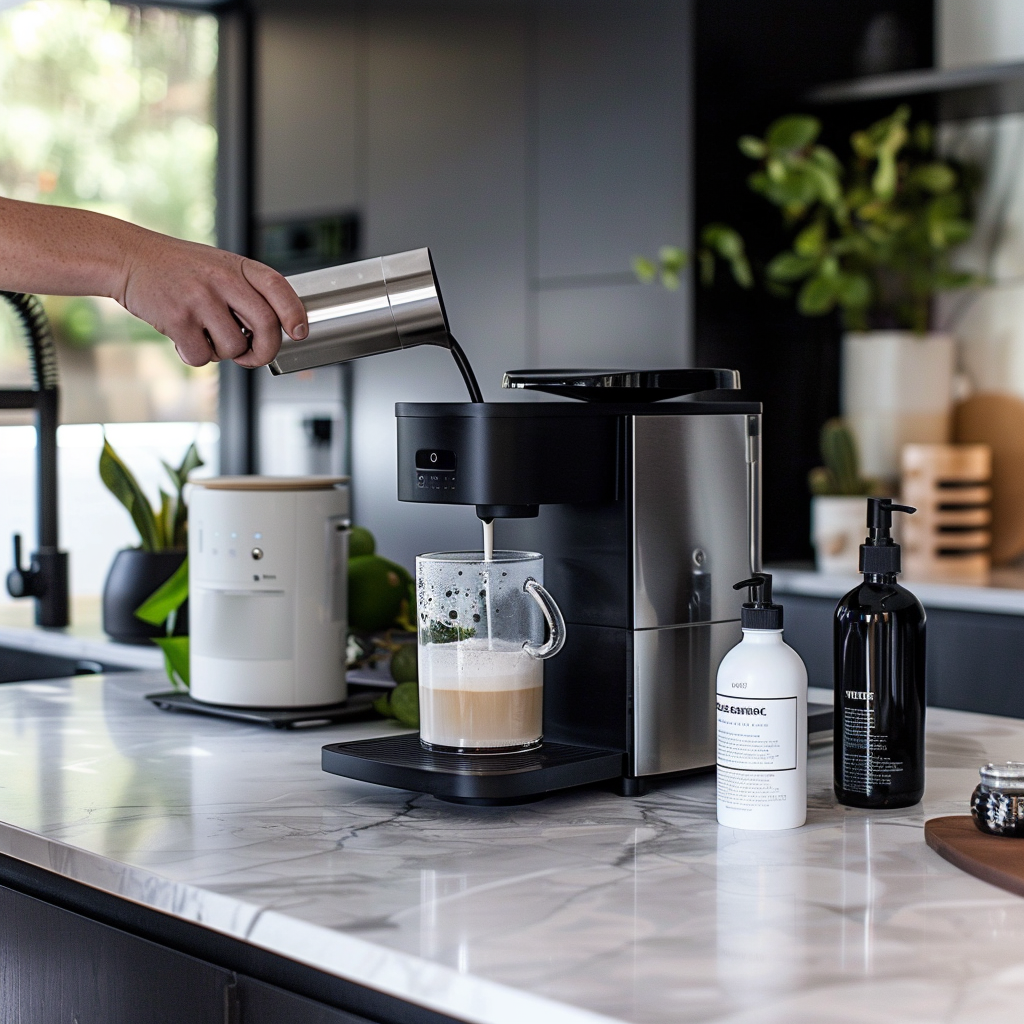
268,612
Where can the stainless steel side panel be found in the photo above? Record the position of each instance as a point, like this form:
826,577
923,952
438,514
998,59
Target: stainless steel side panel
674,674
692,532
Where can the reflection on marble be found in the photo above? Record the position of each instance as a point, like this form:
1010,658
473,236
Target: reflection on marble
582,907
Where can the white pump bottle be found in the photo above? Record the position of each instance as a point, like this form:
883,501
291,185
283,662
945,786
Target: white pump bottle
762,721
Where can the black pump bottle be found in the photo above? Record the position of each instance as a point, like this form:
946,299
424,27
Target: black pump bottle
878,673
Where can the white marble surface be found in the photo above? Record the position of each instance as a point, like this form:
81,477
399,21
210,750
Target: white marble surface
84,639
1003,594
582,907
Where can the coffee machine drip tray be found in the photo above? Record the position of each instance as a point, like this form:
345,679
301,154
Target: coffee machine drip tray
623,385
400,762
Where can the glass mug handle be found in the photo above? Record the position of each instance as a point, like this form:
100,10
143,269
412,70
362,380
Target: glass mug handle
552,616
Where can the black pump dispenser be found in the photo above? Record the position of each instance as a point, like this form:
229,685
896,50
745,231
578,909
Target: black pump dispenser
879,675
880,554
759,612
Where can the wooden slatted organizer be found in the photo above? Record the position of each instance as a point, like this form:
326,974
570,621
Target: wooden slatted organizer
950,486
998,421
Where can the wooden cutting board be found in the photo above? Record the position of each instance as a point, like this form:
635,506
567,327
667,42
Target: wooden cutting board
998,421
994,859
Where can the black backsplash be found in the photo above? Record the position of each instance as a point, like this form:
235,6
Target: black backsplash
754,62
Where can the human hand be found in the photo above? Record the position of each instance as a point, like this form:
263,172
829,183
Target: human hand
212,304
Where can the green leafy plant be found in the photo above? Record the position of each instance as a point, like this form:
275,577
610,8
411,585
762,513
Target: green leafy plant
161,608
718,241
841,473
874,237
163,529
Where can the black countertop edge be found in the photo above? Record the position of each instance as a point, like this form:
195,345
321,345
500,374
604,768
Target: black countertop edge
222,951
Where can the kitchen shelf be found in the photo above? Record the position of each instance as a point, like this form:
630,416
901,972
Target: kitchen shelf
961,93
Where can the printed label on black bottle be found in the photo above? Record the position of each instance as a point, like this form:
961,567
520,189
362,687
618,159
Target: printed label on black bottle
757,735
866,761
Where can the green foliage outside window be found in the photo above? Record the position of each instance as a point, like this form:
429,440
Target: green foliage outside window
110,108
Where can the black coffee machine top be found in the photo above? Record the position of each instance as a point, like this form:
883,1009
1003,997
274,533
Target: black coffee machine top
623,385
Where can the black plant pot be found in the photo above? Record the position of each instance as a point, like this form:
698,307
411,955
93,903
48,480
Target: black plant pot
133,576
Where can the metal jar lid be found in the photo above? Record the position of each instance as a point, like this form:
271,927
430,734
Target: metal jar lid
1007,777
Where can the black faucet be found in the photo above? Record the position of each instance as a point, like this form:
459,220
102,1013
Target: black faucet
46,576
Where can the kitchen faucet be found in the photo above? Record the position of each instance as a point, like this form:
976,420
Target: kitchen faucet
46,576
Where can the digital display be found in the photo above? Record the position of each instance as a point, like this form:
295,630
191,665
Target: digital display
435,460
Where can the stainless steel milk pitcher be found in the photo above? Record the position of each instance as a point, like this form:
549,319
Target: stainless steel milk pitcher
361,309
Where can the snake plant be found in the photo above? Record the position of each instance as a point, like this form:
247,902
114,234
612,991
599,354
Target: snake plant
162,529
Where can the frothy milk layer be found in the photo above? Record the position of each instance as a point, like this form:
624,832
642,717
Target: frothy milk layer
473,665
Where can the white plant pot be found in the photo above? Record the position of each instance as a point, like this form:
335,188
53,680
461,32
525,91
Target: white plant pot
897,389
838,528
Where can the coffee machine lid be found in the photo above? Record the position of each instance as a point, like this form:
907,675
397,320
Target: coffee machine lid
623,385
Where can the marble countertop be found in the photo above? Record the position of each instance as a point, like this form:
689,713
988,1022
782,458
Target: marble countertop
1003,594
83,639
579,908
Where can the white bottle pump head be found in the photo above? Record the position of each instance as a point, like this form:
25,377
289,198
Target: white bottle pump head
759,612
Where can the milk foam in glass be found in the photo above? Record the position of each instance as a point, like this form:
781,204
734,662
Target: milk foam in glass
482,626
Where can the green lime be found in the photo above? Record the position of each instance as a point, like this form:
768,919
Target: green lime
376,589
403,664
405,704
360,542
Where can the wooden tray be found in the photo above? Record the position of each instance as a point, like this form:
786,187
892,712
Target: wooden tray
995,859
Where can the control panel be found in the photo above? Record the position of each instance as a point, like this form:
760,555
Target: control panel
435,470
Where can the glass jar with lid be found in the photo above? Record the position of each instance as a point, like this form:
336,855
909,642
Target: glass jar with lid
997,804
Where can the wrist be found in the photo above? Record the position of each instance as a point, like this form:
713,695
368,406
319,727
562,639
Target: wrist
129,241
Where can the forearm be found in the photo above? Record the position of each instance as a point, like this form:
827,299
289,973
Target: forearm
211,304
53,250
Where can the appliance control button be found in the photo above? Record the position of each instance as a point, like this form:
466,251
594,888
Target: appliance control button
257,553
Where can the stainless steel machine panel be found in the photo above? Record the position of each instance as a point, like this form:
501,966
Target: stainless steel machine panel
674,674
692,537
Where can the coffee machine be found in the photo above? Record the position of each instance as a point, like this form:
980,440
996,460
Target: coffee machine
642,491
646,510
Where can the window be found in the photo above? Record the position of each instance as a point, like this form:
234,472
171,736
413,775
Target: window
106,107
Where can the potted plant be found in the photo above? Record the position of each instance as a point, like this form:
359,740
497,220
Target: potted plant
838,508
873,239
163,533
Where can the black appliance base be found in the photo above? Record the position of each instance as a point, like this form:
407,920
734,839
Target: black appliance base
485,779
359,706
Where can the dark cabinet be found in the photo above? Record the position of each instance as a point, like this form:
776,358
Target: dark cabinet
56,966
59,967
974,659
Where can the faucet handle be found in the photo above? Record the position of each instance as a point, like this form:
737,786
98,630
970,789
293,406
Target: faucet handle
22,582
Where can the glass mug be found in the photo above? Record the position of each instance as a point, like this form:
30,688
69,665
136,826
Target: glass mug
480,627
